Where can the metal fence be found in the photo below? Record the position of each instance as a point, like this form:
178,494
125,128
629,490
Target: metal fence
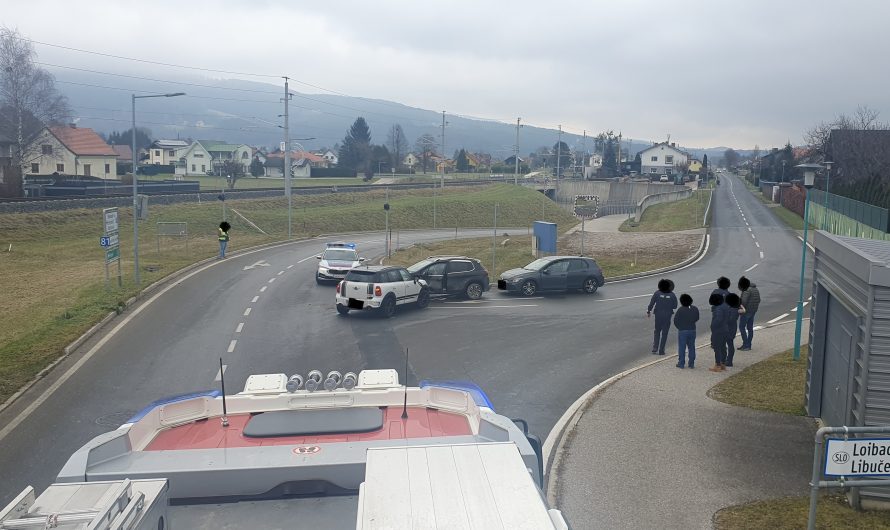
838,207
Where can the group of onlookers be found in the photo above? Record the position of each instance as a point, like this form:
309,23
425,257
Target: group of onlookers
729,312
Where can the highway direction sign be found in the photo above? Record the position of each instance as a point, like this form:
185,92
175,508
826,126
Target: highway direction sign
110,216
111,240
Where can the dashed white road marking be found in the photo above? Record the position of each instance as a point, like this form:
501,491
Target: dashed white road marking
761,255
752,236
240,327
290,266
271,280
750,229
254,299
219,373
758,246
757,328
778,318
701,284
795,307
231,347
263,289
307,258
752,267
485,306
247,311
625,298
280,273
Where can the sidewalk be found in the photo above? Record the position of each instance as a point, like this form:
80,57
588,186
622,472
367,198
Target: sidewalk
654,451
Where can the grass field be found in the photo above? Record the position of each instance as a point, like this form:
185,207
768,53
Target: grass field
53,278
775,384
671,216
246,183
791,514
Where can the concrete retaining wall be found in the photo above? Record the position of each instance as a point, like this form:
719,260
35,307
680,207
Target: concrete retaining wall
659,198
610,191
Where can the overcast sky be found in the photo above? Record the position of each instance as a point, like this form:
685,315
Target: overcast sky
709,73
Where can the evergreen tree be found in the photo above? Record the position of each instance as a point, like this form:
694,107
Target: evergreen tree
461,162
256,168
355,153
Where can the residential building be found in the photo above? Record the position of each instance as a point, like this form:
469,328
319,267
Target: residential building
124,153
662,159
193,161
221,152
166,152
70,150
329,156
301,163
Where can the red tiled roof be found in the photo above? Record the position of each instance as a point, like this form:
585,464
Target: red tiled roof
82,141
296,155
124,152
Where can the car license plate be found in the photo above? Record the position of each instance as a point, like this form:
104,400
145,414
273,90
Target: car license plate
502,284
356,304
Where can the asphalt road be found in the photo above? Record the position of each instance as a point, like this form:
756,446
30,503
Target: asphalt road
263,313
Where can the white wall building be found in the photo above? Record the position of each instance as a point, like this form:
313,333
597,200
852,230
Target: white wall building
166,152
69,150
193,161
662,159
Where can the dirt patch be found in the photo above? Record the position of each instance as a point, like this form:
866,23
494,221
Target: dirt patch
669,247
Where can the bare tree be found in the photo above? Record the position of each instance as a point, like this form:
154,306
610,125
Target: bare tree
397,144
862,119
28,96
425,148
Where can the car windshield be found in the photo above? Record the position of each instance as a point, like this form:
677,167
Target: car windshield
417,267
340,255
538,264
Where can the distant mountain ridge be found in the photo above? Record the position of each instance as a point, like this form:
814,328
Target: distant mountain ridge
248,112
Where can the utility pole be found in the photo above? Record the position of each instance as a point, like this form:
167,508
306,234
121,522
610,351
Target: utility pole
516,154
287,190
618,162
444,158
558,157
584,159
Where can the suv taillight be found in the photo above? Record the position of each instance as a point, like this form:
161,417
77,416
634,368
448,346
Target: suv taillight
378,291
338,287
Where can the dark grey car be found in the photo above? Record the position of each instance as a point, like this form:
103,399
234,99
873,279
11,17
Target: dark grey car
452,275
553,273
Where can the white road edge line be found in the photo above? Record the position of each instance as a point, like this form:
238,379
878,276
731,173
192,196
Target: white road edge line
808,245
701,284
778,318
703,254
39,400
240,327
231,347
486,306
254,299
752,267
307,258
247,311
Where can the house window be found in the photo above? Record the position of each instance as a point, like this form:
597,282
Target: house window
193,167
244,155
86,170
669,159
655,158
653,170
668,171
171,152
60,168
107,168
35,168
46,149
203,168
157,152
199,155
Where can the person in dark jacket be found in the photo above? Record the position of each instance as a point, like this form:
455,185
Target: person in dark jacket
662,303
734,306
719,322
722,289
750,299
684,321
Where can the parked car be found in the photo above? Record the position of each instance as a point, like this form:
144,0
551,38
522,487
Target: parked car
381,288
452,275
553,273
336,260
664,178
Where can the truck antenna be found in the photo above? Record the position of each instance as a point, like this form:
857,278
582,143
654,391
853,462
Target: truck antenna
222,383
405,402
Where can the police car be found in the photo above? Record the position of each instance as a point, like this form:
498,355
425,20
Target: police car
337,259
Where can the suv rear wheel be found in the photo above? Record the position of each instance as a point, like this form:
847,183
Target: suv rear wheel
473,290
388,307
342,309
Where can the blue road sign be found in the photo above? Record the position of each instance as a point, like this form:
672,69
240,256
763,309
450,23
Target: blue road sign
105,241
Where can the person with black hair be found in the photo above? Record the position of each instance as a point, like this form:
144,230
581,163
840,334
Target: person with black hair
734,307
722,289
684,321
662,303
223,236
750,300
719,322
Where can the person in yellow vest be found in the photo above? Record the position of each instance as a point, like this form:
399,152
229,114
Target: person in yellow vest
223,238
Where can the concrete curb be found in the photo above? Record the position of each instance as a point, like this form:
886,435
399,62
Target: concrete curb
702,250
99,326
554,446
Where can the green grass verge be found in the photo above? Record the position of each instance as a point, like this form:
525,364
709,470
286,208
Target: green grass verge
791,513
791,219
671,216
53,278
247,183
515,250
775,384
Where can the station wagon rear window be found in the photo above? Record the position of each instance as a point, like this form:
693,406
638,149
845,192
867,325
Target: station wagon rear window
361,276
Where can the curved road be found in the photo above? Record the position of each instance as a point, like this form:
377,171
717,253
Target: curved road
534,357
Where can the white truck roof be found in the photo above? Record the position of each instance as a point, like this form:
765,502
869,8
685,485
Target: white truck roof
462,486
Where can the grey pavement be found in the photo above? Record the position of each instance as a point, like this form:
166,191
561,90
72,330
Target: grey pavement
606,223
654,451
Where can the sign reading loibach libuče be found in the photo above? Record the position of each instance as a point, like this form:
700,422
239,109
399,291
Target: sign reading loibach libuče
857,457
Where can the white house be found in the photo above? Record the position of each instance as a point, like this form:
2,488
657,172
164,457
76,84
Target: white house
194,160
662,159
166,152
220,152
329,156
69,150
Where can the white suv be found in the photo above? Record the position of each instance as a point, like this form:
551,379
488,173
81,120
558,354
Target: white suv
382,288
336,260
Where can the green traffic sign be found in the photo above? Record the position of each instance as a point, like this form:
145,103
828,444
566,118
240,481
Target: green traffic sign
112,254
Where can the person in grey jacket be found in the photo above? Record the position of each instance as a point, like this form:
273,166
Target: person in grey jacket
750,300
733,305
719,323
662,303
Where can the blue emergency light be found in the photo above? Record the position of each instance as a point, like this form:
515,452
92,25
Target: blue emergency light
340,244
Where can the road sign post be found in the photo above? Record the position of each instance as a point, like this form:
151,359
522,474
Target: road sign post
110,242
585,207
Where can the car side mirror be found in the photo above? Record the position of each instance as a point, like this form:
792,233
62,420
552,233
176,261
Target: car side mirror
545,271
361,259
318,257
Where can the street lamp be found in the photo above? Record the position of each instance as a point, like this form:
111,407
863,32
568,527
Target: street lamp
783,170
825,199
809,177
135,182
